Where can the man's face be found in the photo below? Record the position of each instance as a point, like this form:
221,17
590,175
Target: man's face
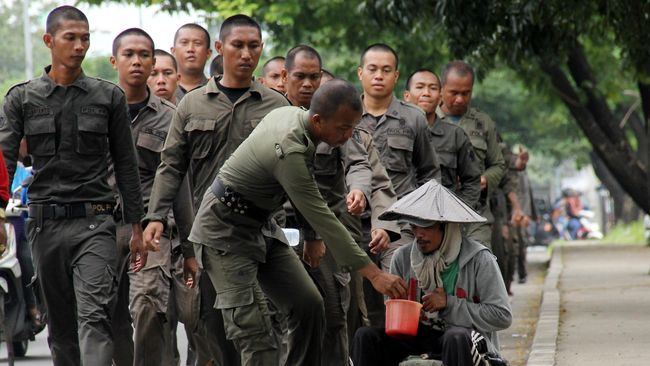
303,79
273,76
134,61
429,238
69,44
191,50
164,78
378,73
457,93
338,128
241,51
424,91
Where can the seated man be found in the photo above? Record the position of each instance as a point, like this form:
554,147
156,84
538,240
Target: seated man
459,285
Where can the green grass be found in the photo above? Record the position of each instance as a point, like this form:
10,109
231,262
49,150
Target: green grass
626,234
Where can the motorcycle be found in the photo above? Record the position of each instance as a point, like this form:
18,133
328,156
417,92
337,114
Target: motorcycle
16,327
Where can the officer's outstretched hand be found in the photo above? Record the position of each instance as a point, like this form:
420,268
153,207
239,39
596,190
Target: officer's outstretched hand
386,283
356,202
152,234
138,250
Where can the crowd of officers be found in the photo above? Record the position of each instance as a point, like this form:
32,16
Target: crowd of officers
148,207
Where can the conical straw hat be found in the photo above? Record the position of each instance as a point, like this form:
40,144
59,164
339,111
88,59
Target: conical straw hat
431,203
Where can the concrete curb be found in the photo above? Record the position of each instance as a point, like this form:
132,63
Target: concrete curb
544,345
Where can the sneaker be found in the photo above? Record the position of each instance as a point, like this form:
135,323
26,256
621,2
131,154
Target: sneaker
522,280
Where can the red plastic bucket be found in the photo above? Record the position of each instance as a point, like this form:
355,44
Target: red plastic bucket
402,318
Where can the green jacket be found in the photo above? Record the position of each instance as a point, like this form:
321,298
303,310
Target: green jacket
482,132
70,131
459,166
401,138
205,130
269,167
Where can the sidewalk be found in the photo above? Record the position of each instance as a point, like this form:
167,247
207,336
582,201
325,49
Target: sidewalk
595,307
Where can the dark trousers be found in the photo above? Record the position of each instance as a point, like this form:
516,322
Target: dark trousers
75,261
372,347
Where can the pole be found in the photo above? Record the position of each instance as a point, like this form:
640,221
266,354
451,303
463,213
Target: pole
27,35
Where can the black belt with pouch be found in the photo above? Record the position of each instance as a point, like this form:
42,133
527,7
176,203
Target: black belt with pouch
70,210
237,203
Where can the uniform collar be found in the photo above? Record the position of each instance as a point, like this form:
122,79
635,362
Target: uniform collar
392,111
81,82
154,100
441,114
437,129
212,88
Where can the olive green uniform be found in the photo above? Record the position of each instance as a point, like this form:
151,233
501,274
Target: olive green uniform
271,165
504,247
206,128
401,137
460,170
338,170
181,92
482,132
146,293
70,131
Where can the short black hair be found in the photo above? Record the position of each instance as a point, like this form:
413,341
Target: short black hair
265,68
216,66
65,12
408,80
328,73
131,32
162,53
461,68
194,26
334,94
239,20
310,52
380,47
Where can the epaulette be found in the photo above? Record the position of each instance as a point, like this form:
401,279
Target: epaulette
168,103
16,85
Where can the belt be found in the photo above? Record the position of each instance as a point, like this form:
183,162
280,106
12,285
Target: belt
70,211
237,203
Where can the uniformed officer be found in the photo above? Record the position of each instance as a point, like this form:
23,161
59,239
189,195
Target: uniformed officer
505,210
271,165
72,122
149,292
460,169
272,74
343,175
528,210
400,134
163,80
208,125
191,50
457,84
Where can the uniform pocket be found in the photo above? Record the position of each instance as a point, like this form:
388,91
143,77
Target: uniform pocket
241,314
480,146
149,146
400,151
200,135
326,160
92,134
40,134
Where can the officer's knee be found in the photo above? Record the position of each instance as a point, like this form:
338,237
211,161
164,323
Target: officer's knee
457,337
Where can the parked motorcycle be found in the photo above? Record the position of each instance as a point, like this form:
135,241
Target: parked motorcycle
16,327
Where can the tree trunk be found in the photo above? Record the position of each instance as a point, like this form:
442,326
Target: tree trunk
625,210
620,160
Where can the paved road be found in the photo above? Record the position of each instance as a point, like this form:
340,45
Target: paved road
516,340
38,353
